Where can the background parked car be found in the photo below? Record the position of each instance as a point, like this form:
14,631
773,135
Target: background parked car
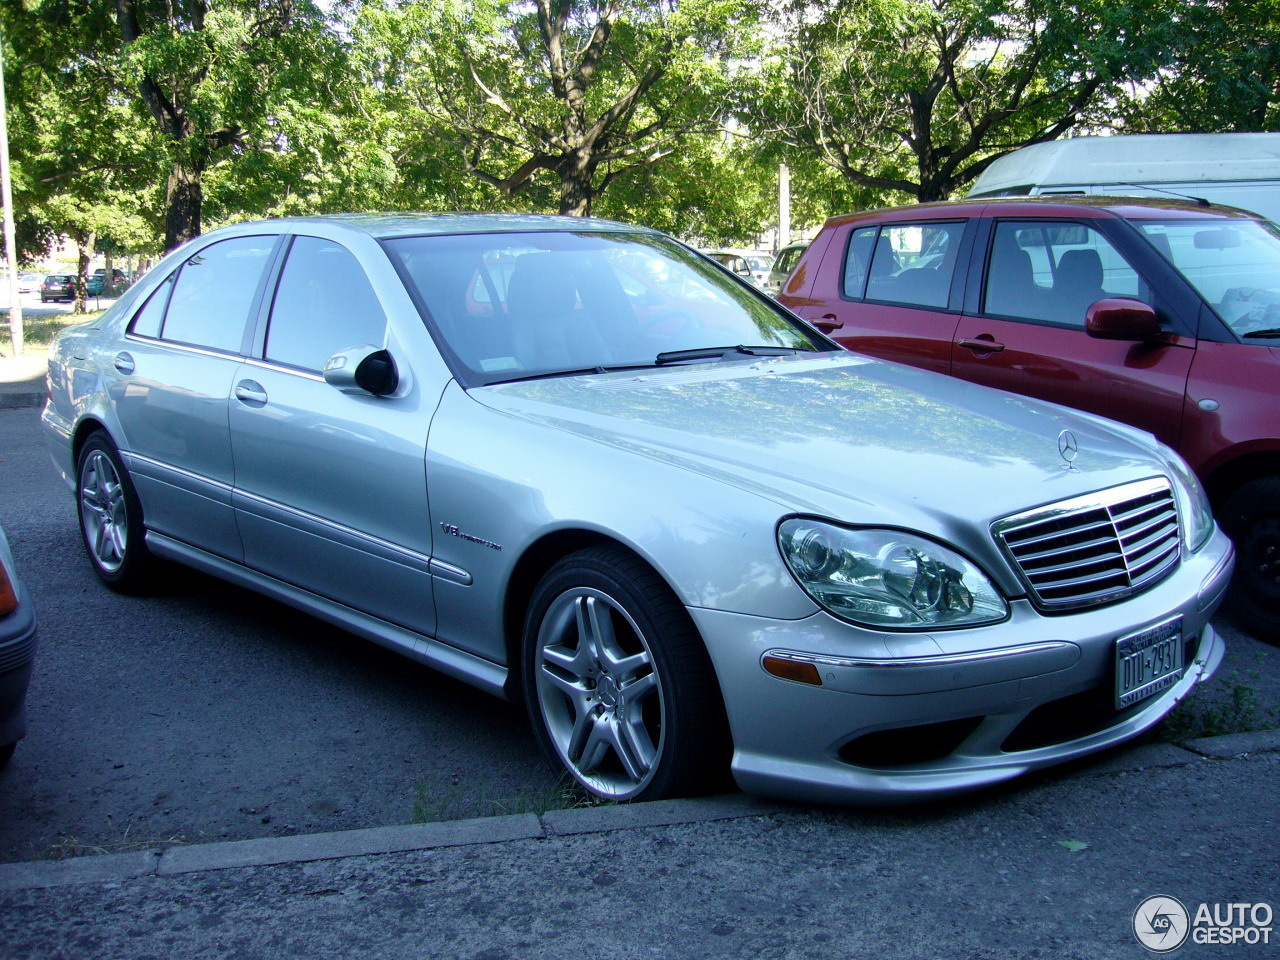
17,651
750,266
782,266
28,282
96,284
58,286
1160,313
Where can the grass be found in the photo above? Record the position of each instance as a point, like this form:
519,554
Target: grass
432,806
1236,709
38,330
117,841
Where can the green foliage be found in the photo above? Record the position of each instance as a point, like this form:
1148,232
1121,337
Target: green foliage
549,102
1226,76
1235,708
133,121
917,96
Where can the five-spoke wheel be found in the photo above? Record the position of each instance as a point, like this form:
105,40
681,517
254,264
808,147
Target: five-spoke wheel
110,515
618,684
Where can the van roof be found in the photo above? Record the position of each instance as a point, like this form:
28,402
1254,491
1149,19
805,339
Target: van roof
1135,159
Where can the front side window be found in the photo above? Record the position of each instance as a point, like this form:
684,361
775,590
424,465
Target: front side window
324,303
1235,266
1052,271
516,305
911,264
214,292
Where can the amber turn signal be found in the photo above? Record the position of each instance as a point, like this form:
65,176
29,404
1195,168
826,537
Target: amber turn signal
797,670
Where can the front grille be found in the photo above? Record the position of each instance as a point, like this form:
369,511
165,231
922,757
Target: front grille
1094,549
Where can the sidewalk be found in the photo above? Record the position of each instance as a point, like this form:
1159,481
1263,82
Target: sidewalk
1053,866
22,380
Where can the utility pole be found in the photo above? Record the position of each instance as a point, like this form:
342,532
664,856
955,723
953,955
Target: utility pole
784,205
10,236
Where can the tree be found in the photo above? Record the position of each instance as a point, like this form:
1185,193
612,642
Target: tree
219,81
1226,77
566,95
919,96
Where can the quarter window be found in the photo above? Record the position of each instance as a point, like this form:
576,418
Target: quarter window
214,292
324,303
150,318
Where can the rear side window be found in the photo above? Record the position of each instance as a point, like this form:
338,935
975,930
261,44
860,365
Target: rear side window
214,292
324,303
910,263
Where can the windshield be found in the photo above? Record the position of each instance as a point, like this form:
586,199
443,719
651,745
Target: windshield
1235,265
517,305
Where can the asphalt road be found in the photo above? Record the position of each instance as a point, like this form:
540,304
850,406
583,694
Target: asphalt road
206,713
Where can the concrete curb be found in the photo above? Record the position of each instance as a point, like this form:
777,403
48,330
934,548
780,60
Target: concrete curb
274,851
17,401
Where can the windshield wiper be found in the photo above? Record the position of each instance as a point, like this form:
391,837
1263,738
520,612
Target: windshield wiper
579,372
726,353
1272,334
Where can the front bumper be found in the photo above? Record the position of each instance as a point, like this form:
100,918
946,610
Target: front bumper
902,717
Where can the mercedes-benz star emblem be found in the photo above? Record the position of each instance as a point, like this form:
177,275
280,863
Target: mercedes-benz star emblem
1068,449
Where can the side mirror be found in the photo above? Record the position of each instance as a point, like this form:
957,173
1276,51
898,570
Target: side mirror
1119,318
363,369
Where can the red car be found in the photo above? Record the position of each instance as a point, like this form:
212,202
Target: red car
1162,314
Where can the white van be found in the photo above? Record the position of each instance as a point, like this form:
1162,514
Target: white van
1236,169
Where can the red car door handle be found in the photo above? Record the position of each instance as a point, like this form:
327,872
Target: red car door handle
827,322
982,345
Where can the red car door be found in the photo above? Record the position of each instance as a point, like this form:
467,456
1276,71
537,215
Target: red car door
1027,332
886,291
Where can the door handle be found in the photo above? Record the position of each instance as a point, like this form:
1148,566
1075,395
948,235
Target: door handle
827,323
124,363
251,392
985,343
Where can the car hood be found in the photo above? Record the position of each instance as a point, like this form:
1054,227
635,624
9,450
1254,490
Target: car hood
844,436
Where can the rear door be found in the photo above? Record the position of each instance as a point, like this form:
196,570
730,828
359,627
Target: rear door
897,290
1023,327
171,381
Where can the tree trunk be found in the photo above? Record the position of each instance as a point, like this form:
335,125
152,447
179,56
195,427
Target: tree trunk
84,257
183,199
577,192
109,275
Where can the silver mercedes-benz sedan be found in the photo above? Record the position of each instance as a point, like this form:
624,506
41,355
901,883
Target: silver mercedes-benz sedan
575,463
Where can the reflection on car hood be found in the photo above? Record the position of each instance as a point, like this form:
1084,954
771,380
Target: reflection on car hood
812,432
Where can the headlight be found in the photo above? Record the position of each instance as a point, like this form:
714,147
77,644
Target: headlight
887,578
1193,504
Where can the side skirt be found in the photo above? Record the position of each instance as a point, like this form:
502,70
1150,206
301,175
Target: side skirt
489,677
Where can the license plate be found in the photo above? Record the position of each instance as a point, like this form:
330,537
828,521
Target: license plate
1148,662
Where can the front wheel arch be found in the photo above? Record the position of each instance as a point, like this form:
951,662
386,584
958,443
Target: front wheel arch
618,684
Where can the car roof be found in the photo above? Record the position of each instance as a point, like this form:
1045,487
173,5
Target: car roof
1128,208
384,226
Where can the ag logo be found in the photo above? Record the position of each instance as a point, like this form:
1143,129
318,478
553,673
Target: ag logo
1161,924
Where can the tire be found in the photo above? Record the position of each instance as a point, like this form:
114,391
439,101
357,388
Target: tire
111,517
619,688
1251,517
